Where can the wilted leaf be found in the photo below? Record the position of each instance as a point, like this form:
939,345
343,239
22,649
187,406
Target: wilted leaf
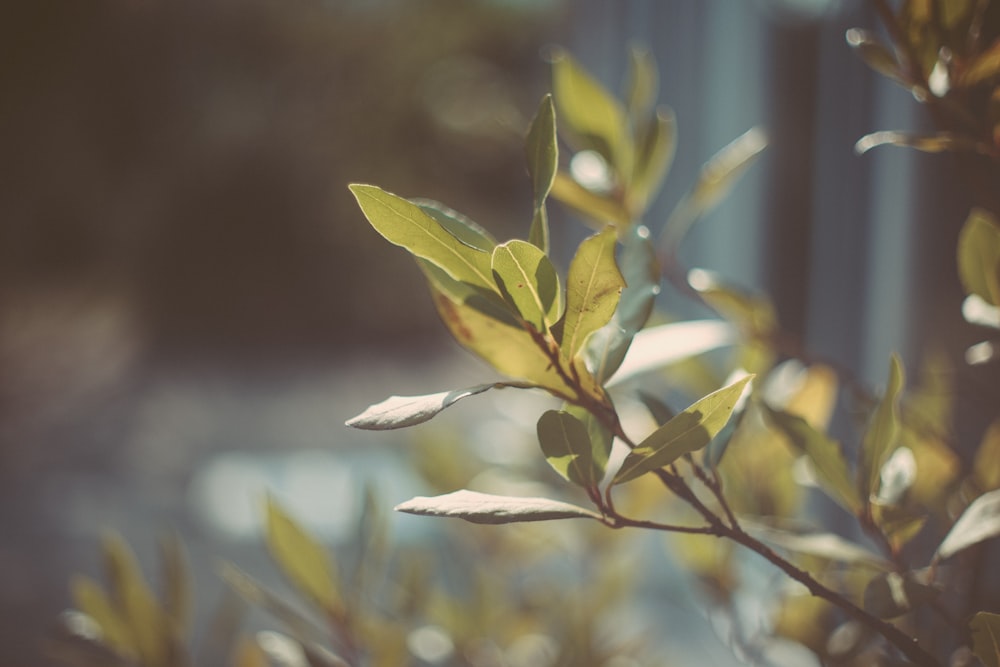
490,509
985,629
688,432
593,286
979,256
875,54
824,454
529,282
402,411
932,143
985,66
659,346
824,545
598,208
882,433
717,178
302,559
592,116
458,225
567,447
892,594
405,224
980,521
542,152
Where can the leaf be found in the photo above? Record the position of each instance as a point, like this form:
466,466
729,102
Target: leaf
985,629
874,53
255,594
931,143
659,346
528,281
688,432
543,163
593,287
567,447
980,521
89,598
654,154
986,464
642,84
641,272
891,594
605,350
717,178
824,454
136,603
458,225
979,256
592,116
407,225
986,65
402,411
753,314
176,582
882,433
302,559
599,208
248,654
824,545
490,509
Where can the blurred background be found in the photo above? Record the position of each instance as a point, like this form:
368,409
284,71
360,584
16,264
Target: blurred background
191,303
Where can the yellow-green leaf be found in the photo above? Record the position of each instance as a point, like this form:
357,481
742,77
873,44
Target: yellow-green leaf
597,208
985,629
528,281
985,66
593,287
405,224
176,582
567,447
655,146
688,432
542,151
979,256
90,598
986,464
882,432
458,225
303,559
874,53
642,84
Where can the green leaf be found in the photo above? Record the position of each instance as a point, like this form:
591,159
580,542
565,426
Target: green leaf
605,350
89,598
688,432
979,256
593,117
402,411
491,509
600,436
891,594
655,147
875,54
985,66
303,559
598,208
641,272
928,143
132,596
593,287
543,163
980,521
528,281
567,447
717,178
985,629
405,224
882,432
458,225
824,454
642,84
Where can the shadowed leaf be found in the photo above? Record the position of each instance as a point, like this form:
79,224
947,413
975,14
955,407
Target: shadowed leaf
875,54
985,66
597,208
491,509
593,287
932,143
655,148
567,447
892,594
528,282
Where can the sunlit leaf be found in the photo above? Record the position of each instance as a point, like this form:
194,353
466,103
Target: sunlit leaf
567,447
542,152
985,66
90,598
598,208
688,432
980,521
405,224
402,411
717,178
979,256
593,118
932,143
986,464
458,225
659,346
656,143
528,282
302,559
882,433
985,629
824,454
593,287
491,509
824,545
891,594
874,53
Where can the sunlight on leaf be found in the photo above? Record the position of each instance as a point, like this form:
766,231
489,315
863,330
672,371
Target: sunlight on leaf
979,256
402,411
528,282
593,287
491,509
980,521
656,347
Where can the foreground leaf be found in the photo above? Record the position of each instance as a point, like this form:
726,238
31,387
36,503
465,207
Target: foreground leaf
405,224
593,286
402,411
458,225
882,432
491,509
567,447
979,256
985,629
688,432
528,281
980,521
302,558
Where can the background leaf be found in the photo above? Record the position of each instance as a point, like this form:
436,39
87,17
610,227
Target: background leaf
593,287
979,256
980,521
491,509
882,432
985,629
655,147
597,208
824,545
891,594
542,151
688,432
